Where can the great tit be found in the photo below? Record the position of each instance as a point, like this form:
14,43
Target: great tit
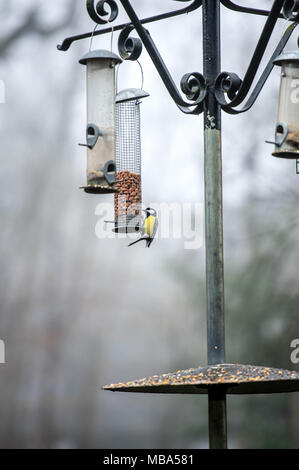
149,228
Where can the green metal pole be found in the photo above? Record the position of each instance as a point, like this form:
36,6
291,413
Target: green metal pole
214,220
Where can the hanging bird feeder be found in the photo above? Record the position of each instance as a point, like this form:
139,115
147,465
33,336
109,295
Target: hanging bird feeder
100,130
128,195
287,127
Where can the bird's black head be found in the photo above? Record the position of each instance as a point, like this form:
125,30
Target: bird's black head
150,211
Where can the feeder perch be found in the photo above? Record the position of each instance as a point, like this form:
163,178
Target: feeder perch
128,194
100,129
287,128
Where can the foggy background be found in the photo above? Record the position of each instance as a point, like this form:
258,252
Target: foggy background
78,312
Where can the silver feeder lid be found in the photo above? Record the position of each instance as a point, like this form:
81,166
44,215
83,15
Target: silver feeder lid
100,54
130,94
290,57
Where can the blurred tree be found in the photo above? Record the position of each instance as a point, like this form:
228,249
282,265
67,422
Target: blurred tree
76,312
261,319
31,23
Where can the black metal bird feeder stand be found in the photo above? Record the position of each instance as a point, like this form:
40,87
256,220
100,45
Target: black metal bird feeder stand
210,93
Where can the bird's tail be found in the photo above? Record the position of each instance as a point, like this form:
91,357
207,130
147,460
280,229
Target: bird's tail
139,240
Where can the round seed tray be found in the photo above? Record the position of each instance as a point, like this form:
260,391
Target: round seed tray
235,379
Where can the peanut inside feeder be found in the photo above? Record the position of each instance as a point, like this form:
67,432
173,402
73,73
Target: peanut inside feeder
128,195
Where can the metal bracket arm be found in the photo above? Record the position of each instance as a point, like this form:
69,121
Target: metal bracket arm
230,91
192,84
66,44
219,88
233,6
237,90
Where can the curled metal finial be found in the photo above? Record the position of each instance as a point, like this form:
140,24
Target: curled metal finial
129,48
227,83
291,10
193,85
96,13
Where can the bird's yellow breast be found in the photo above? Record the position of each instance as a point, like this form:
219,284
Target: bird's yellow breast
149,225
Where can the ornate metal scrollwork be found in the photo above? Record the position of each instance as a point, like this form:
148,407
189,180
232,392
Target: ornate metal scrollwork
97,12
229,89
227,83
230,84
129,48
171,14
291,10
193,85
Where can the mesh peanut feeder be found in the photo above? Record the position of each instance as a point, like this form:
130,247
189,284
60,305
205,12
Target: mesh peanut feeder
128,195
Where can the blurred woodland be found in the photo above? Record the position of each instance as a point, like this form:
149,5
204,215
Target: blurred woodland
78,312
